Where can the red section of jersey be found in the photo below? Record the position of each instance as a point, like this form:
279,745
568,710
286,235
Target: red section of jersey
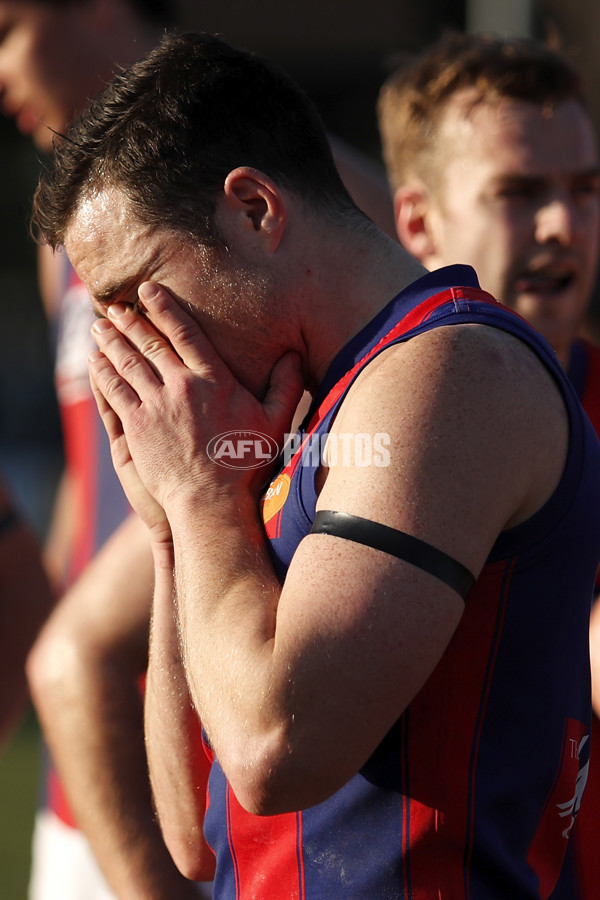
435,784
591,394
590,400
549,845
247,838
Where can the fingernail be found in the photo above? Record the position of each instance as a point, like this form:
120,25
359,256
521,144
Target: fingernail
101,325
147,291
94,356
116,310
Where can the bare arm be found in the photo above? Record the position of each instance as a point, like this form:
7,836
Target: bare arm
25,601
85,675
178,764
60,535
257,654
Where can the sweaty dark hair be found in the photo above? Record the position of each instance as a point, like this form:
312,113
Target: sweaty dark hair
169,129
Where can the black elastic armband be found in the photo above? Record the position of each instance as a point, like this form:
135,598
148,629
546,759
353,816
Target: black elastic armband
8,521
396,543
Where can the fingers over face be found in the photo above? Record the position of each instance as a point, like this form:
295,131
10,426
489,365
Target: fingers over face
176,322
119,375
135,351
97,365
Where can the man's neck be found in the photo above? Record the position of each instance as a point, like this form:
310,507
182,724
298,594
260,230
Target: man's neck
363,280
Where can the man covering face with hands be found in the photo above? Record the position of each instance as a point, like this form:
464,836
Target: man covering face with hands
333,635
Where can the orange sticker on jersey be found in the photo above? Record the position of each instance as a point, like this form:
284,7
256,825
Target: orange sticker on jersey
275,496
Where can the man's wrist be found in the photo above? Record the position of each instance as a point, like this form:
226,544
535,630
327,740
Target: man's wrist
210,508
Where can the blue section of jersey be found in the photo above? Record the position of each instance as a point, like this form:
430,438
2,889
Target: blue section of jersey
578,367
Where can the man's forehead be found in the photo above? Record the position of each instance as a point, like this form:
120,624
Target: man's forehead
105,244
104,231
98,211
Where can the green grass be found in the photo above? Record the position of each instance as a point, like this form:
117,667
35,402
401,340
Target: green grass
19,784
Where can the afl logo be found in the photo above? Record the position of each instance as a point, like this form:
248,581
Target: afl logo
242,449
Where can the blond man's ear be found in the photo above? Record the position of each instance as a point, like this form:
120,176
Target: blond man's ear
413,225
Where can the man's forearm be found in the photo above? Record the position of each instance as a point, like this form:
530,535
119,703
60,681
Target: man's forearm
227,595
178,764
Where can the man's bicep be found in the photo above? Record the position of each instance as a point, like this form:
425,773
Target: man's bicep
354,624
397,543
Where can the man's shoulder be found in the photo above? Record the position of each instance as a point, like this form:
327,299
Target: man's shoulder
451,356
466,411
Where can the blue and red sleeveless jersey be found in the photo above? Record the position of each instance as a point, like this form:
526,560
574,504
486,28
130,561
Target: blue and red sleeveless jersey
473,793
99,504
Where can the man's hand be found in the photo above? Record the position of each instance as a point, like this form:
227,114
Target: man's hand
149,511
164,393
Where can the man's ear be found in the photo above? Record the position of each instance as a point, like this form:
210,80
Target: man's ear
256,204
413,225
